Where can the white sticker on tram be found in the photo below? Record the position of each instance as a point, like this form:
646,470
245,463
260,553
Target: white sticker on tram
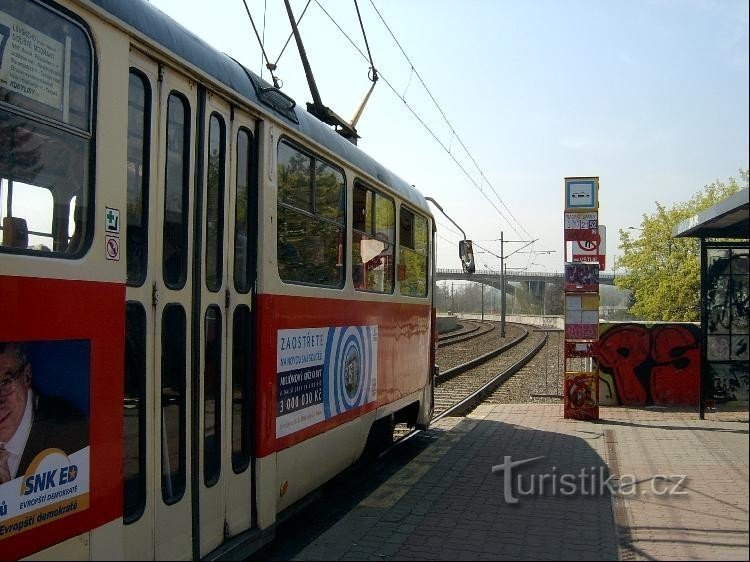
34,62
323,372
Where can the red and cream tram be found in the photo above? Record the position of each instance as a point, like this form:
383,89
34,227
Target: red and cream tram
209,299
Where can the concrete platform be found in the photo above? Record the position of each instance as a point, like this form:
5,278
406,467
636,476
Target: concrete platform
640,484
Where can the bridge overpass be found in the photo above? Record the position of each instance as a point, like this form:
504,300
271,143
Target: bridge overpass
492,277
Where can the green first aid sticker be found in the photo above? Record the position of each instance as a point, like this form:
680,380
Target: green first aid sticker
112,220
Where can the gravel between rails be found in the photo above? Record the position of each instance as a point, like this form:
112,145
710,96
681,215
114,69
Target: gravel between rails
539,381
453,355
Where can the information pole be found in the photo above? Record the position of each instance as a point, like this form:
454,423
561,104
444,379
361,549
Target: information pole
581,288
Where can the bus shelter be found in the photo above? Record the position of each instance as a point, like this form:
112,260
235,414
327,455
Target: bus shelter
723,233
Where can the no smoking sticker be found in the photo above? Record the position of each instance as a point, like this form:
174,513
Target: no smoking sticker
112,247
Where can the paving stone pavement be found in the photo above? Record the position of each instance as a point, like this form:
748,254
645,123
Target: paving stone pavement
639,484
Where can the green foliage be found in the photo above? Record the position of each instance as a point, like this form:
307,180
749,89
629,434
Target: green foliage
663,273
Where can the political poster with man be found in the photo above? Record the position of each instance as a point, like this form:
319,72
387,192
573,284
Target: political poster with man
44,432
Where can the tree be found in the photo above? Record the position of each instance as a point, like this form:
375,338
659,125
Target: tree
662,272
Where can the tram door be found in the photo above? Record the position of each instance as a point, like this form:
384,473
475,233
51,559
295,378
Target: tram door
174,293
190,230
223,381
157,507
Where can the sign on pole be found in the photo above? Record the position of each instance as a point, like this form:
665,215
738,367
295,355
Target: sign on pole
592,250
581,285
581,194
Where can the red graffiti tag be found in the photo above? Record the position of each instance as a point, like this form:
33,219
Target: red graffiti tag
652,365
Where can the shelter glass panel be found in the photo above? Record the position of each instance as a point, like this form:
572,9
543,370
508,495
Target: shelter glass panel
726,323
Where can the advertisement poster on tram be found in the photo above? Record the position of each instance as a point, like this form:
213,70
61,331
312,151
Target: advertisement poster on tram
44,432
323,372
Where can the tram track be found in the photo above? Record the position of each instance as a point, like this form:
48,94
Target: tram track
460,388
469,329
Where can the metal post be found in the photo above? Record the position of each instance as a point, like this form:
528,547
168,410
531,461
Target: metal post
502,288
482,302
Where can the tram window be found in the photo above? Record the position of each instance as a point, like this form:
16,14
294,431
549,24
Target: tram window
134,405
62,62
215,203
176,193
373,239
295,178
41,172
413,252
43,166
139,120
242,248
311,224
212,377
329,193
241,389
173,420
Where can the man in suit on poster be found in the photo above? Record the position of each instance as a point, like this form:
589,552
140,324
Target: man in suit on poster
31,422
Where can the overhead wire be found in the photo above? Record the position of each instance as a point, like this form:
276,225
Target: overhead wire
292,34
270,66
448,149
437,105
421,121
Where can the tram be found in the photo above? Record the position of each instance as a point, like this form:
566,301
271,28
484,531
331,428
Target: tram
210,299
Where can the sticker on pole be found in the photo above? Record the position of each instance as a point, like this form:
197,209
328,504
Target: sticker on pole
592,250
581,226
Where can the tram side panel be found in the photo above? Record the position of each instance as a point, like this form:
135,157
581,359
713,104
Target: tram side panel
63,293
330,362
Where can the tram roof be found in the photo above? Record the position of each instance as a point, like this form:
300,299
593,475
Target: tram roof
156,25
726,219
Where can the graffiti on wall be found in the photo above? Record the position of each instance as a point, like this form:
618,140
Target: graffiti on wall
650,364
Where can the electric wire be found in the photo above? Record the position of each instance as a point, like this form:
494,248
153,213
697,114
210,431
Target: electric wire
269,65
291,34
374,77
453,132
421,121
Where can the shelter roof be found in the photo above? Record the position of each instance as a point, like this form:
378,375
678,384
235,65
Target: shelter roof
726,219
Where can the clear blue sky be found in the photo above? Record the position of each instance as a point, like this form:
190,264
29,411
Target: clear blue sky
651,96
